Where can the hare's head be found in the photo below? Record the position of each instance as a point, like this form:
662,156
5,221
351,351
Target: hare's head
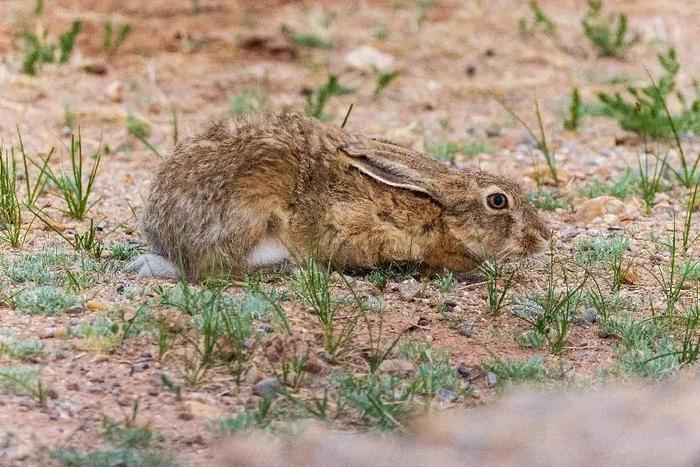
488,214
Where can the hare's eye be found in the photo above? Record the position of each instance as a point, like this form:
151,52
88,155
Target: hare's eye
497,201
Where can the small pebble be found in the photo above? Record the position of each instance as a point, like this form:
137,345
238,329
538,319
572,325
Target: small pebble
466,331
445,396
422,322
590,315
464,371
491,380
268,388
140,367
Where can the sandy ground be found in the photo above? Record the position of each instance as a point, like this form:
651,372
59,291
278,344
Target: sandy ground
455,70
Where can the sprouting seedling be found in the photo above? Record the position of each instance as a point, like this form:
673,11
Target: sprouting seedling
86,241
316,100
140,130
540,20
382,79
609,34
66,42
540,140
575,110
111,40
498,283
75,189
650,181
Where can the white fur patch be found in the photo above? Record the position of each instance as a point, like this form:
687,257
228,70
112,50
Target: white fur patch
268,252
153,265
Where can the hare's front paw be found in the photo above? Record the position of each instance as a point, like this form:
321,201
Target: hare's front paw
153,265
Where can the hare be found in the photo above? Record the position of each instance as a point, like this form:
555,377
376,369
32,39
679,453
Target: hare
265,189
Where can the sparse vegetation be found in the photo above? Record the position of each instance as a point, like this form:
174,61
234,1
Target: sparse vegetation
610,35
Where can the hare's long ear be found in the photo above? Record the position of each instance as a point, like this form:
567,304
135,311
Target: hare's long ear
391,168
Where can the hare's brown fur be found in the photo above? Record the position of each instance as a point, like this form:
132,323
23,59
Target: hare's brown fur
318,190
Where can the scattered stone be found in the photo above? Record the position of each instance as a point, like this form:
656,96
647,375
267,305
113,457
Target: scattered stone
603,334
422,322
73,387
96,305
397,366
466,331
542,175
201,410
629,274
449,305
595,209
268,388
491,380
445,396
140,367
470,70
146,354
494,132
410,289
266,329
590,315
115,91
570,233
95,69
270,45
367,58
47,333
465,371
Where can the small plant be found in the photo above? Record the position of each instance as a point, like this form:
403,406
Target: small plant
316,100
38,50
382,79
541,140
607,252
575,111
44,300
609,34
650,181
307,39
443,149
37,269
74,458
140,130
33,185
23,380
112,39
313,285
74,188
546,199
539,21
378,279
645,112
18,349
247,101
551,311
621,187
445,282
498,283
122,251
86,241
532,369
260,417
380,32
423,7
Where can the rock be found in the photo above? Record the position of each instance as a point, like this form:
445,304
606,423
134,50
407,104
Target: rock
590,315
491,380
449,305
366,58
115,91
397,366
268,388
95,69
201,410
96,305
445,396
629,274
410,289
596,209
47,333
543,175
140,367
464,371
568,234
466,331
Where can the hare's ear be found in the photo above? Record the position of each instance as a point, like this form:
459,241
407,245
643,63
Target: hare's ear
389,170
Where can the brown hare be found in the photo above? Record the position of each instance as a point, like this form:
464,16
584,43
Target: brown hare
264,189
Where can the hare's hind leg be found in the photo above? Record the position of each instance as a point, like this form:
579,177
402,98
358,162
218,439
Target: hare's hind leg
153,265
